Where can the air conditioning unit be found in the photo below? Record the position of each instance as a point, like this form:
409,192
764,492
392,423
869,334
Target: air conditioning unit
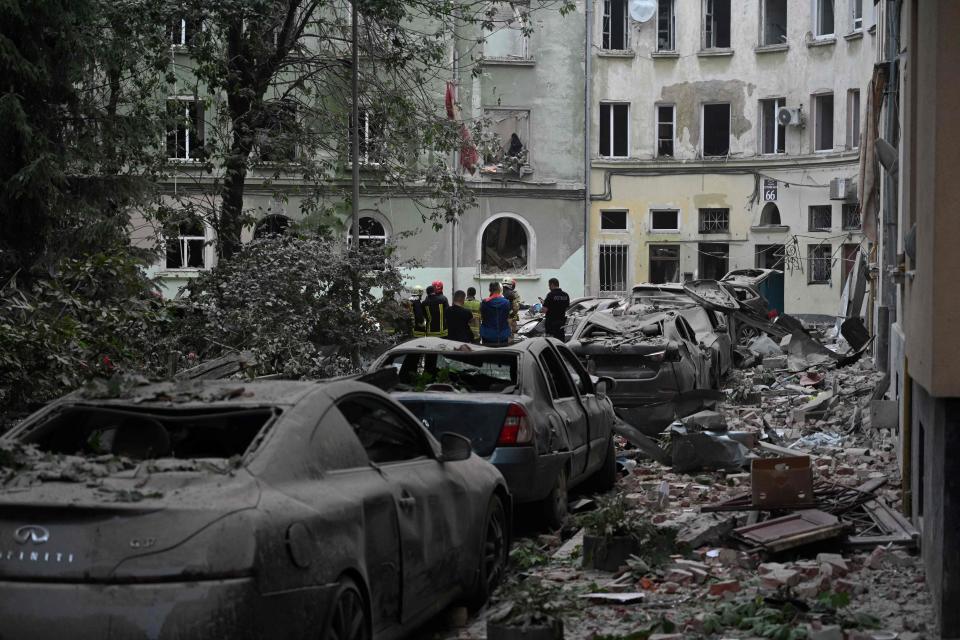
790,117
843,189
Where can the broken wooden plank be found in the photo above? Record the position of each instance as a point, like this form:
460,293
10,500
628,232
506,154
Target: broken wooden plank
784,451
794,530
568,547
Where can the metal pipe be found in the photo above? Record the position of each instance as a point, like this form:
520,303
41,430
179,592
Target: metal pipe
587,98
355,146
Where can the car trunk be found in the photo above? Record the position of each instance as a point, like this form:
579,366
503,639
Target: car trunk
95,530
477,416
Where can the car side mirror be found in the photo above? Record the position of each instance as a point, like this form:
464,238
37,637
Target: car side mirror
454,447
605,385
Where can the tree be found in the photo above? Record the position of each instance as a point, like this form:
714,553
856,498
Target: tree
278,70
76,125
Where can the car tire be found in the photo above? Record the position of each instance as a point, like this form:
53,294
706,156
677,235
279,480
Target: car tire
605,477
554,506
348,618
494,554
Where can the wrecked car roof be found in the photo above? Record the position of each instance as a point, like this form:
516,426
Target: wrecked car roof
749,276
711,294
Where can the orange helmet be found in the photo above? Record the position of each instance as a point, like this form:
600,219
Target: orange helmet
438,286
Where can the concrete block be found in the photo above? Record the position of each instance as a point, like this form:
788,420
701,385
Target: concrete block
772,363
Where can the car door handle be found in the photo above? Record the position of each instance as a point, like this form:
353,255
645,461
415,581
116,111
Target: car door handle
407,501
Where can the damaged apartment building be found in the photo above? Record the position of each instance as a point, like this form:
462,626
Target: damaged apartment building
725,136
524,79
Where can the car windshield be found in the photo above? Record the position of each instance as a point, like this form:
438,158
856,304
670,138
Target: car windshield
459,371
698,319
135,433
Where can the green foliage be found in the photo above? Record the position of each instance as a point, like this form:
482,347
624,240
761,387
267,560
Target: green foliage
758,618
525,555
531,602
288,300
613,518
95,316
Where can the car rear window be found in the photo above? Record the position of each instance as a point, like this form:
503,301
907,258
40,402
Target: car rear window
463,371
134,433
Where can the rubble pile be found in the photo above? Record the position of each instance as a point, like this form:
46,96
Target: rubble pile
783,504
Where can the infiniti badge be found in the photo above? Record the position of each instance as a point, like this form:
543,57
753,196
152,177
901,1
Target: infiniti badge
31,533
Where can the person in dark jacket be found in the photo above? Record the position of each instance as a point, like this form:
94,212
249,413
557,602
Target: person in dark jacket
435,307
495,318
458,319
419,328
555,307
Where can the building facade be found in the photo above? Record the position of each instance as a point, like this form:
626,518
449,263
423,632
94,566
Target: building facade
725,135
528,222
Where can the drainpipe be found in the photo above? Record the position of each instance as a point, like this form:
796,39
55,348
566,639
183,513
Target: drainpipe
887,313
456,156
587,98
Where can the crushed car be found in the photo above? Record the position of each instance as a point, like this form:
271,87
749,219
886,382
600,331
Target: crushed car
212,509
660,369
531,409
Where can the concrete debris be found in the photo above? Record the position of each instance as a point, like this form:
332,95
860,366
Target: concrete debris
695,451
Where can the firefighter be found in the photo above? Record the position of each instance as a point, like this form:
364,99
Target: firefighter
473,305
435,307
419,315
509,286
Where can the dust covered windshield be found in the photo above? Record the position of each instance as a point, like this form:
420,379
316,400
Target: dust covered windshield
471,372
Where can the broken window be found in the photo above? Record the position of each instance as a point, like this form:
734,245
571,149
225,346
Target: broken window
714,220
504,247
770,256
184,128
664,220
372,232
613,220
512,128
144,434
823,122
371,137
615,26
819,257
386,434
277,140
823,18
772,133
557,378
666,126
853,118
271,225
614,130
716,129
714,260
507,39
856,15
664,263
850,252
821,217
770,216
187,250
473,372
182,31
716,24
851,216
773,22
666,25
613,268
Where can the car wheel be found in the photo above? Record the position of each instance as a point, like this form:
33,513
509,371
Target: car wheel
348,615
606,476
493,555
746,333
555,504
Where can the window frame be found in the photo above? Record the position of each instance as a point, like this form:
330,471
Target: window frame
365,112
626,221
651,259
653,229
846,220
543,360
812,249
762,36
606,26
703,128
708,37
415,429
704,229
531,242
817,7
185,241
611,111
778,129
818,125
198,125
811,216
621,257
519,114
854,18
672,27
673,129
853,118
521,18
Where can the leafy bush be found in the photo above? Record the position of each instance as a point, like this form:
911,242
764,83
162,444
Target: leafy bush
92,316
288,300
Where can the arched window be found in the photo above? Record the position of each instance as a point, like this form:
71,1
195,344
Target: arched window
271,225
505,246
770,216
372,231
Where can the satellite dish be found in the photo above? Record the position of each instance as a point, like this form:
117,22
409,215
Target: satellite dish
642,10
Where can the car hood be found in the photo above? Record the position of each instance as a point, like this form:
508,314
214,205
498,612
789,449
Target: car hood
107,521
711,294
749,276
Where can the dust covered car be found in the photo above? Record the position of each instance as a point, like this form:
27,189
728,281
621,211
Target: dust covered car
243,510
